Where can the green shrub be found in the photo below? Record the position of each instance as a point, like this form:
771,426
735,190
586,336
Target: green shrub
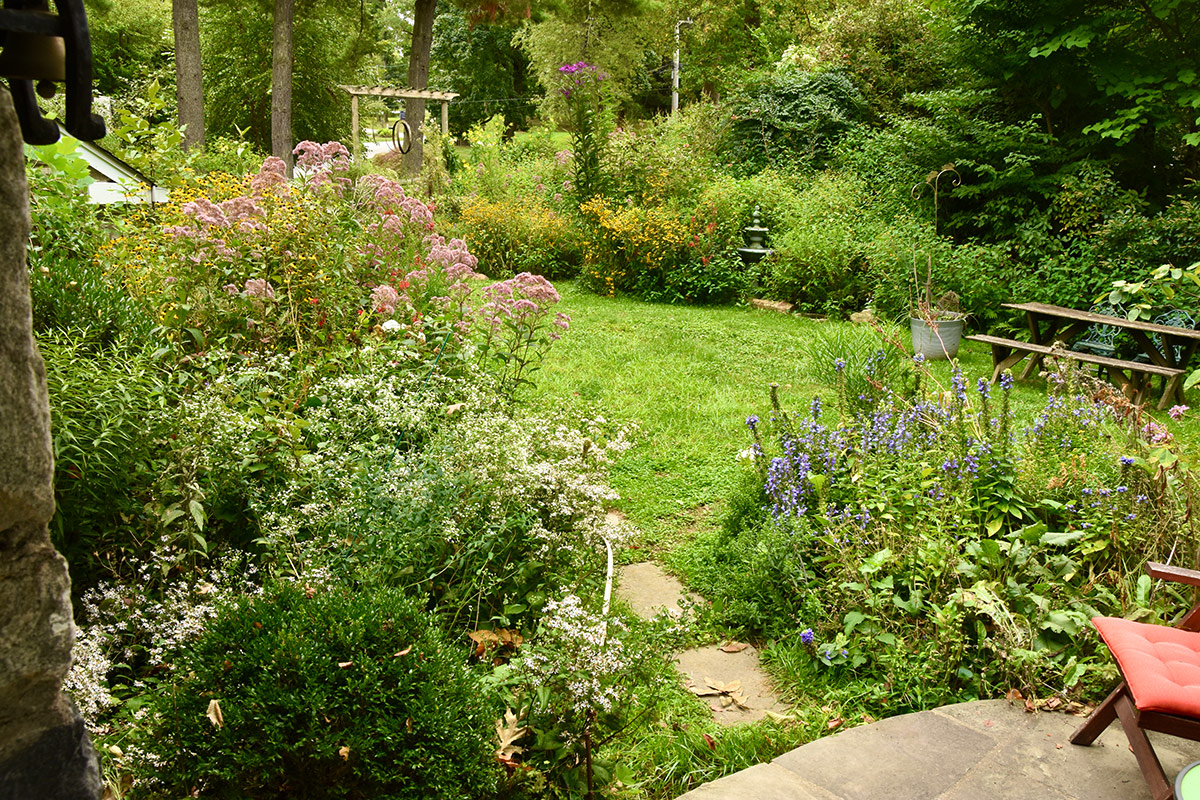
108,431
69,288
511,236
935,528
819,263
790,118
323,691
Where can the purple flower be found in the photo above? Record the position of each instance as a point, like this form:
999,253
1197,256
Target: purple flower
752,421
1127,461
982,386
1006,380
839,364
1177,412
806,636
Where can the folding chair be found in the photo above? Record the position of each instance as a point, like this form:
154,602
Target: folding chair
1161,687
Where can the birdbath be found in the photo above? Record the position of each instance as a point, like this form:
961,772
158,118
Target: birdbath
756,237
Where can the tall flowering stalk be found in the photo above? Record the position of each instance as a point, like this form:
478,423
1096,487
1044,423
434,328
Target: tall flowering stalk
590,121
518,326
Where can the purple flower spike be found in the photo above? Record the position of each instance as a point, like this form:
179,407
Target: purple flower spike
806,636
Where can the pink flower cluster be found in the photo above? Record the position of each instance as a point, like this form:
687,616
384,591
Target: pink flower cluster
562,157
396,211
384,300
456,261
328,162
523,300
260,288
271,174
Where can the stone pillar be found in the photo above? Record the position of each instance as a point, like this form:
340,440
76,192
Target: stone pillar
45,750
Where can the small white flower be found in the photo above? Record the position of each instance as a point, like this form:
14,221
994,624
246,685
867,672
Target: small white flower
391,325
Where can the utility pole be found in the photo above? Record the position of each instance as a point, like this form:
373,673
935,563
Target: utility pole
675,68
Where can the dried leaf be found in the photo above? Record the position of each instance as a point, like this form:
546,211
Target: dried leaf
509,730
835,723
484,636
1053,703
345,664
404,652
734,647
724,688
344,752
214,714
708,740
1014,696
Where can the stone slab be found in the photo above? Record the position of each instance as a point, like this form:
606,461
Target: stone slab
760,782
986,750
911,757
701,663
649,590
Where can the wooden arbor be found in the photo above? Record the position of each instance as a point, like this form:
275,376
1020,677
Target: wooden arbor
405,94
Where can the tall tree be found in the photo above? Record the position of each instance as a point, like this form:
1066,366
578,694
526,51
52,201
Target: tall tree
189,90
282,63
418,78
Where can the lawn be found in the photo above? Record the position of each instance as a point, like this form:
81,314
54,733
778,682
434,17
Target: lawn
689,376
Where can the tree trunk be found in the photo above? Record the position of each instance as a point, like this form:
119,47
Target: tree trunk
189,92
418,78
281,83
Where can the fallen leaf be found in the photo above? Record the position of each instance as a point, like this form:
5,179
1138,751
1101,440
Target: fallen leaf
708,740
1030,707
344,752
345,664
867,719
214,714
404,652
1058,747
1053,703
734,647
454,409
835,723
509,730
1014,696
116,751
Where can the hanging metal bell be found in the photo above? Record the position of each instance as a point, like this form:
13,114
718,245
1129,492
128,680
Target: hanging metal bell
26,56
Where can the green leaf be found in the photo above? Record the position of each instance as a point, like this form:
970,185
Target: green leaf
1062,538
197,511
852,620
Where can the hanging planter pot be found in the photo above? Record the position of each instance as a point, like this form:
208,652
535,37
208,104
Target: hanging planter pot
936,339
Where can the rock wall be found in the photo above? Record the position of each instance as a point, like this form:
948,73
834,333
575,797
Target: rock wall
45,750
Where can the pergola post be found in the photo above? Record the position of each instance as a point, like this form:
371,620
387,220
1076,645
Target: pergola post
407,94
354,126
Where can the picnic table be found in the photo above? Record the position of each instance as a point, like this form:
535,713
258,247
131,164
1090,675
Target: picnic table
1168,358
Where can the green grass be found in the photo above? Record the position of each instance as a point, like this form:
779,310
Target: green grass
689,377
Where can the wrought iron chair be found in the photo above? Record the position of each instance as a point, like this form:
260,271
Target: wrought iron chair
1175,318
1100,339
1161,687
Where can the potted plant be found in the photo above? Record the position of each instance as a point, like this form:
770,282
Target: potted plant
936,326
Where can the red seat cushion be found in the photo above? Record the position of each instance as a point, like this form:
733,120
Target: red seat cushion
1160,664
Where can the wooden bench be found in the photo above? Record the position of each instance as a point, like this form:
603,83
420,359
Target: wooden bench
1008,352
